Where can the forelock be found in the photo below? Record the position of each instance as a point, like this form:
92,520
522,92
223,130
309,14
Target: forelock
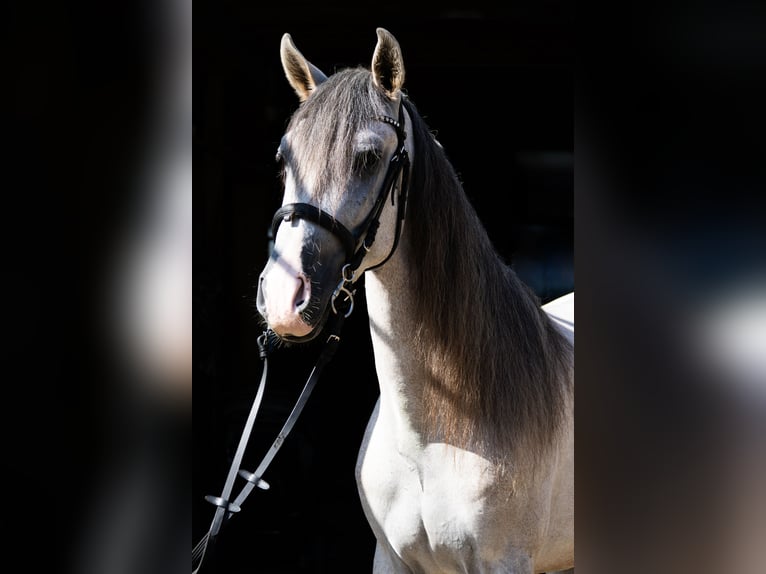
323,129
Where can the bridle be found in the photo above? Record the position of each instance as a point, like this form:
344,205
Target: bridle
342,304
398,164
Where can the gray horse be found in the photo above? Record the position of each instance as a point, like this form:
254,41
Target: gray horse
467,461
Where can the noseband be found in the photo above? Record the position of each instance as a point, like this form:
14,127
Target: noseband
398,164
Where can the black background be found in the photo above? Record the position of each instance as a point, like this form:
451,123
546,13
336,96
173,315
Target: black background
498,90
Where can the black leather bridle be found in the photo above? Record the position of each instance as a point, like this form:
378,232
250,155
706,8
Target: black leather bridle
399,164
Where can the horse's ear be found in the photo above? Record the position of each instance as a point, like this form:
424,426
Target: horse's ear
302,74
387,64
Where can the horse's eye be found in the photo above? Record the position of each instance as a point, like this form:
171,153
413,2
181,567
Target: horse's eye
366,161
281,165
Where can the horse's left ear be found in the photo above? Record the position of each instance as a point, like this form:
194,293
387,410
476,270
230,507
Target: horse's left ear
387,64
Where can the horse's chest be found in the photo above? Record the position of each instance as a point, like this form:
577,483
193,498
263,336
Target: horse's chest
439,505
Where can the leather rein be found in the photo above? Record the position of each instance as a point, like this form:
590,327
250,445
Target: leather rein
342,304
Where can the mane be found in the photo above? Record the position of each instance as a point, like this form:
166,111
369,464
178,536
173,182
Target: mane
499,369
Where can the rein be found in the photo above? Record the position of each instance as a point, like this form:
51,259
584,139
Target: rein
398,165
226,508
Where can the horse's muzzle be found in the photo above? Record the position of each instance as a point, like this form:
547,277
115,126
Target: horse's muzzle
283,300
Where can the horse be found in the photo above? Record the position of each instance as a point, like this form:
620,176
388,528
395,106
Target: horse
466,463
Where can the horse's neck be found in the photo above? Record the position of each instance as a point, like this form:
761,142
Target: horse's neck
393,322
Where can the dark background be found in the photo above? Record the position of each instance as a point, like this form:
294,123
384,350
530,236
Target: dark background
497,88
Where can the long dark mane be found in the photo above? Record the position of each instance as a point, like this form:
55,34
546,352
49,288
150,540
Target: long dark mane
499,369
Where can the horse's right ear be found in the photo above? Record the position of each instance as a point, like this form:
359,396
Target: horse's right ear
302,74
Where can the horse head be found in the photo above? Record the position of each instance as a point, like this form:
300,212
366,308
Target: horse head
344,160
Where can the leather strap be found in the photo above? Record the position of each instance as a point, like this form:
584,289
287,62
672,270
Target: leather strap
225,508
312,213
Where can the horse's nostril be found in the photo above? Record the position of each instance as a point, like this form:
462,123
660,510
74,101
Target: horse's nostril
260,301
300,294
